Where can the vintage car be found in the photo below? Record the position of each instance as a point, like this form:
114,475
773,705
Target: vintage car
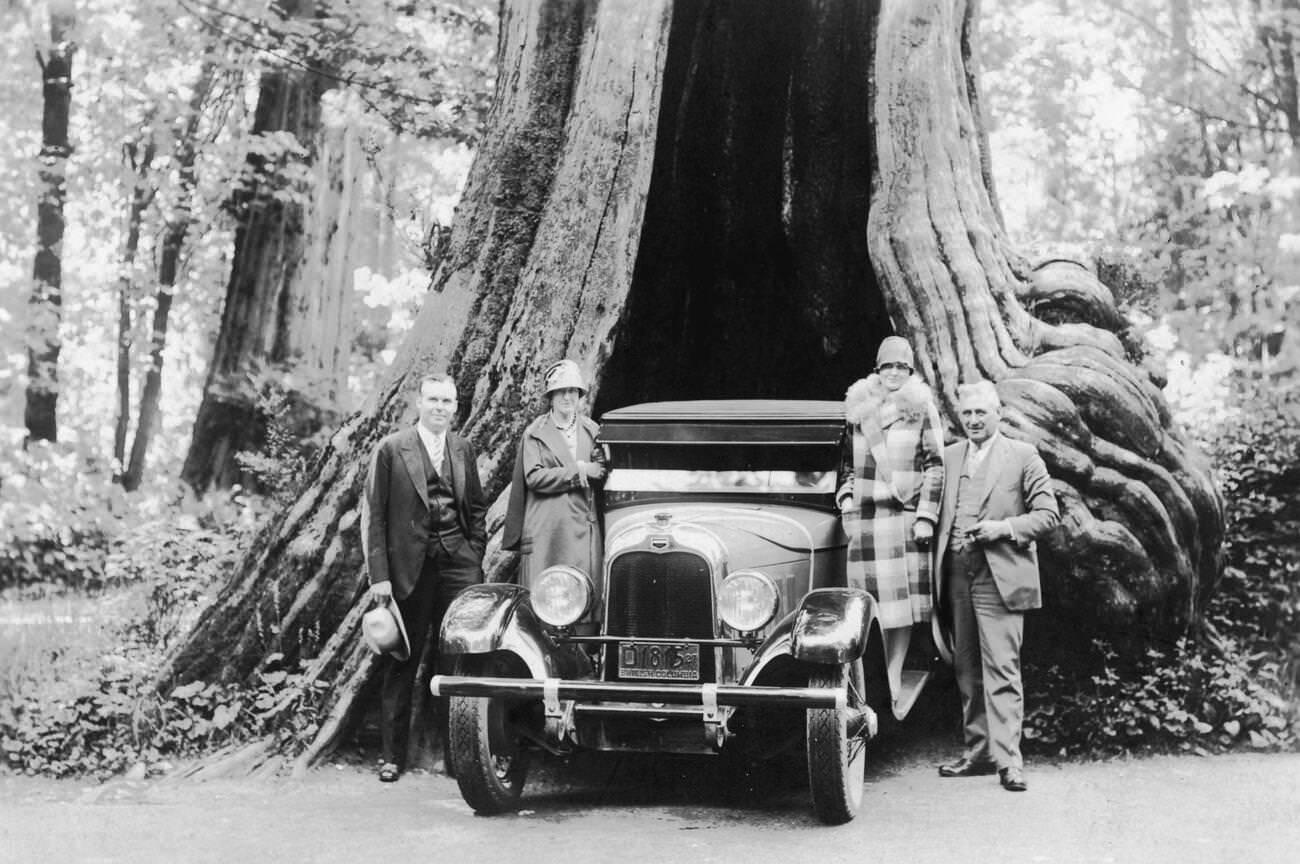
721,621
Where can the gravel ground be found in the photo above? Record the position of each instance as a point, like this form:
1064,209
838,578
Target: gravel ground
1187,809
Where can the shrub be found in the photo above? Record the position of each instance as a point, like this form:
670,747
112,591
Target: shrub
1193,697
1235,681
55,517
120,721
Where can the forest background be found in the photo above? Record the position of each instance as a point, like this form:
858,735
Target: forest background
1161,133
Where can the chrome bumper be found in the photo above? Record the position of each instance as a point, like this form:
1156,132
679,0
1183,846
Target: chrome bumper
552,690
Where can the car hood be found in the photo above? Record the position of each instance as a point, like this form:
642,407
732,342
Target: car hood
752,535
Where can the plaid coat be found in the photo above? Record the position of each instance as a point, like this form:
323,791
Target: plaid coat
892,475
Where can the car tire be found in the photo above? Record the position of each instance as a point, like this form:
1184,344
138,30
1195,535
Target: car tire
836,761
488,755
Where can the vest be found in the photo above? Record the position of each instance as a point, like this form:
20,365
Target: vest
967,510
442,499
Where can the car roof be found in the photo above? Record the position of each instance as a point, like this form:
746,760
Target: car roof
721,421
796,410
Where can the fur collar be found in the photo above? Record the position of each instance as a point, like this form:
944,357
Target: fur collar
867,396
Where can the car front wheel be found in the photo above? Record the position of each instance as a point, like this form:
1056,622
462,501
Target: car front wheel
837,747
487,752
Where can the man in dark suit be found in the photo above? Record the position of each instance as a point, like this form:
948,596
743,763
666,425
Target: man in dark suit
425,536
998,500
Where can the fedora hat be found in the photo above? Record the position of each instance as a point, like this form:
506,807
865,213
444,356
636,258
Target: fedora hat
385,631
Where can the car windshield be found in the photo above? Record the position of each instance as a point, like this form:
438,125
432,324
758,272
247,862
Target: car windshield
742,482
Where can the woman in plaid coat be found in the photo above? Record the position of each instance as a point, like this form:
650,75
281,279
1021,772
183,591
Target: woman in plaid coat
890,490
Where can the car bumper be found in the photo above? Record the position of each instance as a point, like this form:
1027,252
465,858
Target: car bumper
709,696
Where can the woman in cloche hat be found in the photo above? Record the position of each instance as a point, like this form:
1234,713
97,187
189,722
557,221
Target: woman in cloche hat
552,516
890,493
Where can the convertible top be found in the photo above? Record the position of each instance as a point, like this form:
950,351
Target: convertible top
727,421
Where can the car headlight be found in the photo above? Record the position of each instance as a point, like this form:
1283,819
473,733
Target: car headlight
747,600
561,595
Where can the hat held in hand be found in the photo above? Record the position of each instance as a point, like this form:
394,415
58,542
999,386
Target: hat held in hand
385,632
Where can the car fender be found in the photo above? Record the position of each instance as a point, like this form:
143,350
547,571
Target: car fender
498,617
831,625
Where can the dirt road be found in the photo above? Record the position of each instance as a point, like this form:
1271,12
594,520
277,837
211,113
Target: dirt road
1235,808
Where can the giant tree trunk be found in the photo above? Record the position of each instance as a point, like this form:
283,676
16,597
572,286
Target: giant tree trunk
45,304
739,198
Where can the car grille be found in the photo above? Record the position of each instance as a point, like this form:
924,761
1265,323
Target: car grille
660,596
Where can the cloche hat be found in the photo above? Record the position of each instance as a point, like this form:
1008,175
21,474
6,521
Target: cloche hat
894,349
562,376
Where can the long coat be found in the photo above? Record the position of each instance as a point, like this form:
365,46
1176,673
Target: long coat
893,472
552,518
1017,489
393,530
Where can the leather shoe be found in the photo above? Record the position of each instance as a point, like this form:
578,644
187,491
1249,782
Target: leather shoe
389,772
1013,780
967,767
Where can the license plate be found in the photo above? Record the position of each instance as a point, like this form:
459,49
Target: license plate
674,660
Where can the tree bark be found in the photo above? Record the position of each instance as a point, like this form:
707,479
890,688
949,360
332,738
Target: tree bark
1140,543
735,198
45,304
272,313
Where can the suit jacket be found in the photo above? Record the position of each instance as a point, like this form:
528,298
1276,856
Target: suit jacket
397,507
1018,490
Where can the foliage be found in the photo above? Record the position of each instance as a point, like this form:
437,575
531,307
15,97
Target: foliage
55,517
1192,697
1238,682
279,467
1257,449
80,700
1163,131
120,721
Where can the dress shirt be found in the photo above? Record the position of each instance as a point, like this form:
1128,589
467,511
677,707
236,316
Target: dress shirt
976,453
435,444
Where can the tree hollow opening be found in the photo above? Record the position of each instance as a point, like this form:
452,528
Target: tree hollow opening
753,277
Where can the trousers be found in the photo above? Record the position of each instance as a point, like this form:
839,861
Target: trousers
986,660
449,568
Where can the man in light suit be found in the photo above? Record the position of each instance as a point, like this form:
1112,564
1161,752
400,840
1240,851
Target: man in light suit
425,534
998,500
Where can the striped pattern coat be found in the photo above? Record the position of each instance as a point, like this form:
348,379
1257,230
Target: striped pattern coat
892,475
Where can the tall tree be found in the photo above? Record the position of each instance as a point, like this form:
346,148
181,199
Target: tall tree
137,154
46,300
727,198
271,312
177,219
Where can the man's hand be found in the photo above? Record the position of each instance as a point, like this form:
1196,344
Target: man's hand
381,590
923,532
989,530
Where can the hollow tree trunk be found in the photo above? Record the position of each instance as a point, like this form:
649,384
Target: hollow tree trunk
729,198
271,311
45,304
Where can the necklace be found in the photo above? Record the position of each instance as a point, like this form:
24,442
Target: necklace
565,427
